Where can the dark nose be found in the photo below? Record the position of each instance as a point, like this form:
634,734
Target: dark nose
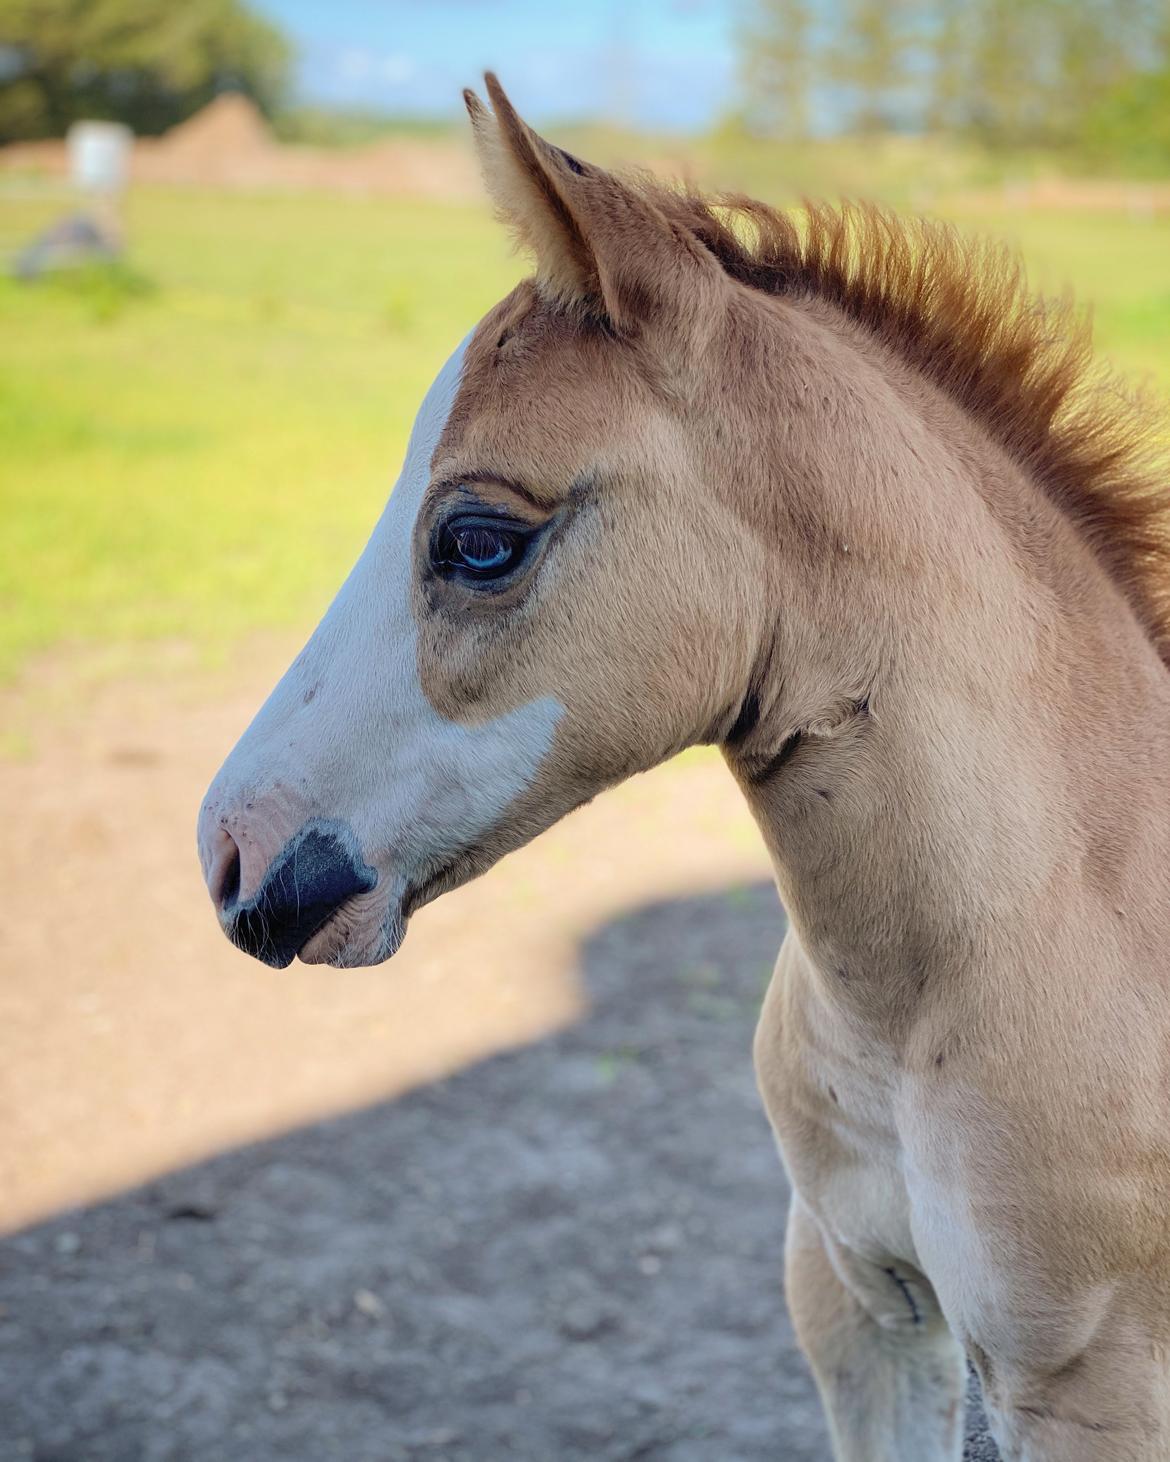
310,878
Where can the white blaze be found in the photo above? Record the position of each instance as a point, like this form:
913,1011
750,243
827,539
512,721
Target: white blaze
348,731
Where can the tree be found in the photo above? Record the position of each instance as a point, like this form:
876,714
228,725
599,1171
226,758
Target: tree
946,63
148,63
776,66
871,62
1075,74
1133,122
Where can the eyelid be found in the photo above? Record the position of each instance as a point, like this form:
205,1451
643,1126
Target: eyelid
462,520
457,506
467,481
485,517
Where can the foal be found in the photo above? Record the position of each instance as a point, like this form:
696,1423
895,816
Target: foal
842,502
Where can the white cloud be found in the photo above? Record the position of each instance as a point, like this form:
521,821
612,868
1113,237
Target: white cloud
357,65
397,68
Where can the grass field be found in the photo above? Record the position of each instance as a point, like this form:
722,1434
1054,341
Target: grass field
204,458
198,448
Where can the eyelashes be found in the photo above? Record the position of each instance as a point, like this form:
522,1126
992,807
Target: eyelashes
479,549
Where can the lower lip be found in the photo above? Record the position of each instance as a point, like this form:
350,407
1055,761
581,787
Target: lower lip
323,946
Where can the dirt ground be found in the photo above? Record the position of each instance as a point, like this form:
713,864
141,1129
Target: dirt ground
509,1197
229,145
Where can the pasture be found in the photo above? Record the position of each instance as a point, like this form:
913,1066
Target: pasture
196,446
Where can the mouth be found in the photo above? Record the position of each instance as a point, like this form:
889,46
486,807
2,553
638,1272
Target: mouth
317,878
460,869
365,930
348,940
353,936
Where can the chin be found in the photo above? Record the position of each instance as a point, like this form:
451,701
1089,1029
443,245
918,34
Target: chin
351,940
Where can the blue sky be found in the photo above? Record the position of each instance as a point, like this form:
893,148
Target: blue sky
664,63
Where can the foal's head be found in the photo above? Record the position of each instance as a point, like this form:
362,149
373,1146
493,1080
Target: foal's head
678,488
552,600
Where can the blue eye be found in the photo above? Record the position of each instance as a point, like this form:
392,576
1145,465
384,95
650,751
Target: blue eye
483,549
477,549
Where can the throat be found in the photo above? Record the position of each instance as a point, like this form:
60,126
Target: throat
902,831
763,773
947,827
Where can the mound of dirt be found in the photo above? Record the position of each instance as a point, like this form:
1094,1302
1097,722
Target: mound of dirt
229,126
229,144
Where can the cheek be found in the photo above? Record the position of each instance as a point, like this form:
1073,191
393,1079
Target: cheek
627,626
564,638
475,670
482,656
657,646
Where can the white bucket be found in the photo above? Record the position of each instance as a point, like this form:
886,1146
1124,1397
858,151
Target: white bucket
99,156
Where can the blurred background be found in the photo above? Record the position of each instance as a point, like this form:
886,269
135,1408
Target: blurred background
511,1195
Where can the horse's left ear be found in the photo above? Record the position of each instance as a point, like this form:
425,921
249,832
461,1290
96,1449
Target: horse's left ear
598,242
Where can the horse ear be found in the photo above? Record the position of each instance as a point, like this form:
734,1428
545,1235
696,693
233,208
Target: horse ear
599,243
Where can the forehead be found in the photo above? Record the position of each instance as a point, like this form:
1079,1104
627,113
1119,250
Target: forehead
542,394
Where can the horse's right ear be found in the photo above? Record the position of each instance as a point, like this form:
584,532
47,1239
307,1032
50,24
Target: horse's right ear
522,183
598,243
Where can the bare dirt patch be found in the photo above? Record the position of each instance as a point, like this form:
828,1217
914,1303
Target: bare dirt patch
229,145
135,1038
510,1196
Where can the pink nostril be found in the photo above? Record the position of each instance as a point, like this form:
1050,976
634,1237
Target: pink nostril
223,877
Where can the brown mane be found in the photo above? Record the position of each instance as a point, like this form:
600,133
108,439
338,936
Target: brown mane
961,311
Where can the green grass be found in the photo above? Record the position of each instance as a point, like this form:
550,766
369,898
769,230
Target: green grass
206,458
196,447
1117,264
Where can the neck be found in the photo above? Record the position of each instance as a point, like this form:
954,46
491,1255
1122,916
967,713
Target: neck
949,826
972,755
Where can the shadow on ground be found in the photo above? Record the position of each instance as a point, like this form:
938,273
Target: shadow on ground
569,1251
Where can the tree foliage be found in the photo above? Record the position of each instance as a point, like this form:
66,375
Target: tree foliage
1051,73
1133,121
149,63
776,64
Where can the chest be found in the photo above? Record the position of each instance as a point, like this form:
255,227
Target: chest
832,1099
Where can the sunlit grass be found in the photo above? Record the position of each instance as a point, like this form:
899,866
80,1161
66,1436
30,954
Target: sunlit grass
207,458
1117,264
198,448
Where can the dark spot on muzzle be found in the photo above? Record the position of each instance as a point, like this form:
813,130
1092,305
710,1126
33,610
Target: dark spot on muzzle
310,878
